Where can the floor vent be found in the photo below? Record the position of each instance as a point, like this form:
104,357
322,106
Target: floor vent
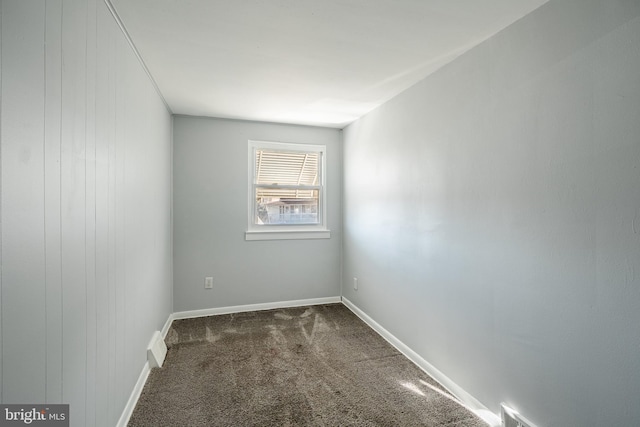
156,351
511,418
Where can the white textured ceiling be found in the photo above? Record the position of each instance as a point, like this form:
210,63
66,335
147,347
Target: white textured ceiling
317,62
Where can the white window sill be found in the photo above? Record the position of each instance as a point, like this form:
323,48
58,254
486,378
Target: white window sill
287,235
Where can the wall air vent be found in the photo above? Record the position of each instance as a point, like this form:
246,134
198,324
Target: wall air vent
511,418
156,351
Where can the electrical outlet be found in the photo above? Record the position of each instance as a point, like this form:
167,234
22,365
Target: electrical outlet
208,282
355,283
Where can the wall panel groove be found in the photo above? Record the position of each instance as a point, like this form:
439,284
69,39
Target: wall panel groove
1,210
52,180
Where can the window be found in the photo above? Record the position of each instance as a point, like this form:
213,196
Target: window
286,191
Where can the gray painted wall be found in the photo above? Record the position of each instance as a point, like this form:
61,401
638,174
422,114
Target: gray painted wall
210,208
85,214
492,216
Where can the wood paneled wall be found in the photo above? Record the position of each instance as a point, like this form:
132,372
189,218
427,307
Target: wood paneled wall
85,209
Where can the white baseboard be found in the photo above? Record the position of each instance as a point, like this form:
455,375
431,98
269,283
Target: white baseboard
135,395
167,325
465,398
254,307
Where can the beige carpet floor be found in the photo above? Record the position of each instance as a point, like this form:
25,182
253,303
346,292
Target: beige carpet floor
306,366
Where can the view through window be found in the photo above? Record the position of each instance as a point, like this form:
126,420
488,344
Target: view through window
287,184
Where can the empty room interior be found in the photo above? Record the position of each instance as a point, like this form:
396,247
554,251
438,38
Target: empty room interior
461,177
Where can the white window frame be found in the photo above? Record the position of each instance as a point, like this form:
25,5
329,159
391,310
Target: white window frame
287,231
